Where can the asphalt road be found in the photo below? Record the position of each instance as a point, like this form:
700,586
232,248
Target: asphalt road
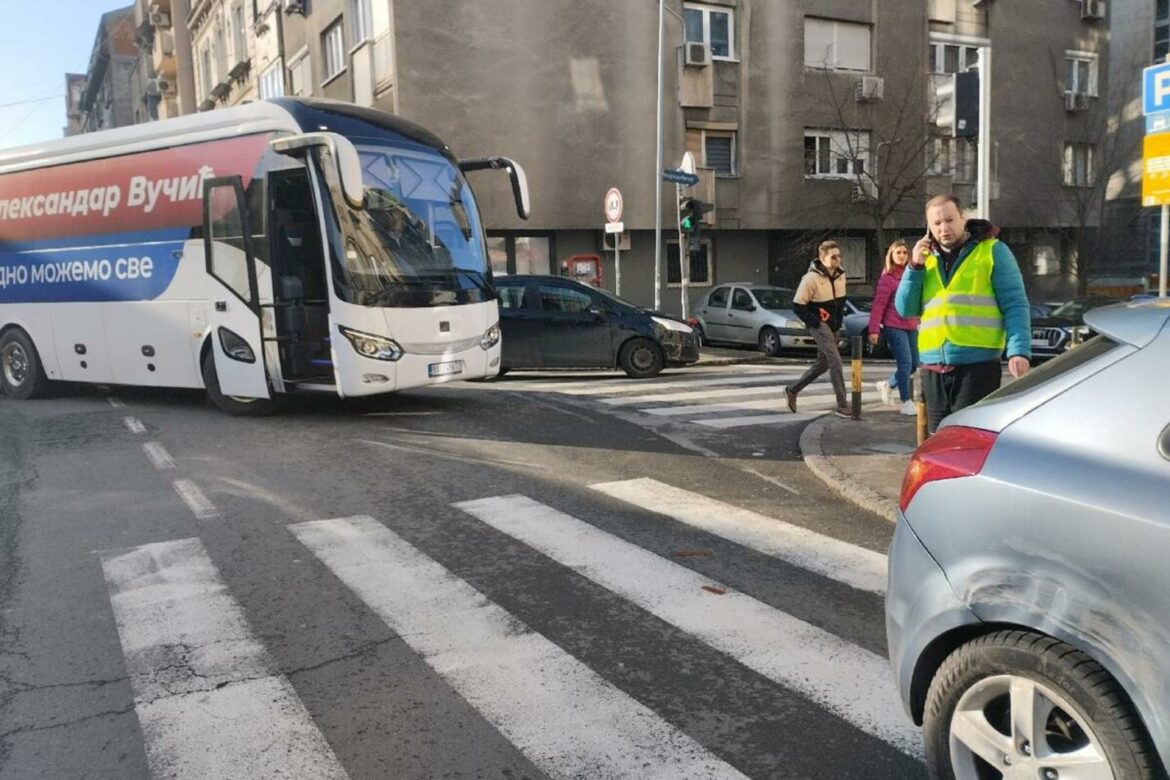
477,580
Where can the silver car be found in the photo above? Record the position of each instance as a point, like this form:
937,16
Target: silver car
744,313
1028,610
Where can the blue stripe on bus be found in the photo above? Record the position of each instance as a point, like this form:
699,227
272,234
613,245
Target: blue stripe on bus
136,266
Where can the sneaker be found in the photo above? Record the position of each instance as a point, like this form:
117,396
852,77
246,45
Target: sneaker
883,388
791,396
843,411
909,408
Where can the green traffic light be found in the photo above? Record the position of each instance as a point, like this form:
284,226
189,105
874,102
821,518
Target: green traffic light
688,224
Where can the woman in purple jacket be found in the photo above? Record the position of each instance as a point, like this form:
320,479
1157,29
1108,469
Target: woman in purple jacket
901,333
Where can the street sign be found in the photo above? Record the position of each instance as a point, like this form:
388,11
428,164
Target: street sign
1156,170
1156,88
615,227
1158,123
688,163
680,177
613,205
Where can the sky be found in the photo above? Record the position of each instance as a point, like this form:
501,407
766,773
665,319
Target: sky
39,42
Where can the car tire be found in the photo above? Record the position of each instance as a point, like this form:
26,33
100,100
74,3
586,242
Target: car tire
977,691
641,358
769,341
239,407
22,376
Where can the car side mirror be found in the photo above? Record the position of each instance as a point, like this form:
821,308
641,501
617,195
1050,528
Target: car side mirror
597,312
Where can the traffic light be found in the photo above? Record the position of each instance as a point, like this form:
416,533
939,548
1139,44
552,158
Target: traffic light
690,214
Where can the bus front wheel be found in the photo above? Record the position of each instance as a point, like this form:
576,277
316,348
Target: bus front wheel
21,374
242,407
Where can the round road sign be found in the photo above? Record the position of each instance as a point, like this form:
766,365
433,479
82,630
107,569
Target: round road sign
613,205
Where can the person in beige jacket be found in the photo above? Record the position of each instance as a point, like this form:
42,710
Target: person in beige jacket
820,304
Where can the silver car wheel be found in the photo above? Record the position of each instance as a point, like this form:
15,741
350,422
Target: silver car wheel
1021,728
15,363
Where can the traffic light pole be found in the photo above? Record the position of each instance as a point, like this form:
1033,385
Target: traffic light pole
658,169
983,188
684,255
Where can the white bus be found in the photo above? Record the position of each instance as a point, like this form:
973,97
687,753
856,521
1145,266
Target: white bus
277,247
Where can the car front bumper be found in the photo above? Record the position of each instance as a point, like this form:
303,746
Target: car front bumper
680,348
920,607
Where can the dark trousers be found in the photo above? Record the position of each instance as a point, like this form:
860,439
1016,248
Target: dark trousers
828,359
966,385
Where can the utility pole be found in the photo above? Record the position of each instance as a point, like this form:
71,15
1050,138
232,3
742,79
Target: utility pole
658,168
983,188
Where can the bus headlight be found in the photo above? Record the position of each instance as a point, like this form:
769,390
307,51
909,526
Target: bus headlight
235,347
373,347
491,337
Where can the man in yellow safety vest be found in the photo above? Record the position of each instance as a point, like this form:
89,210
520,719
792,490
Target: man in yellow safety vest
966,286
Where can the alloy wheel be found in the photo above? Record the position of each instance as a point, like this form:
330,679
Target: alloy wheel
1013,727
15,363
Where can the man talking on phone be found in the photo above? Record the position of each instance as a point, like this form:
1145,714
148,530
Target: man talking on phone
966,286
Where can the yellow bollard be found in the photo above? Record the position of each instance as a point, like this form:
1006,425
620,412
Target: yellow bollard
857,347
920,407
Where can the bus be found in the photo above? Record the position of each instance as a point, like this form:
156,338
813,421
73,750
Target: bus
283,246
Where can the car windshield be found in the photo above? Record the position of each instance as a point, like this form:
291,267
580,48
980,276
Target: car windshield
607,294
1077,308
863,304
417,241
774,298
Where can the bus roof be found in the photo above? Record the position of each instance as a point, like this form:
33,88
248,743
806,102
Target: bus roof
291,115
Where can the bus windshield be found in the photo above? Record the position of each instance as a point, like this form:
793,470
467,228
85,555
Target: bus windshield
417,241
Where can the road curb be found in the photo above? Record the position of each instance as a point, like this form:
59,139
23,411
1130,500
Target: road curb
823,467
731,361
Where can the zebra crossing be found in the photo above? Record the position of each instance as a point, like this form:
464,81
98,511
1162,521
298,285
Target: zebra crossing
208,695
717,398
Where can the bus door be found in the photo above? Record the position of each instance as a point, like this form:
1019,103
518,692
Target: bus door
235,303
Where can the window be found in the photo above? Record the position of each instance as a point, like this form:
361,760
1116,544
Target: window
954,157
836,45
1161,30
205,68
700,265
718,298
333,49
512,296
272,81
712,25
953,57
299,76
497,247
852,257
742,301
1081,73
719,152
359,15
835,154
1078,165
532,254
239,36
564,300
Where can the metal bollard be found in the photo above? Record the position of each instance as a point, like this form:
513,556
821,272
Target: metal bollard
920,406
857,347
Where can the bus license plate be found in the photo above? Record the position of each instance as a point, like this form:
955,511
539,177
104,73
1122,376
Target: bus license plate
445,369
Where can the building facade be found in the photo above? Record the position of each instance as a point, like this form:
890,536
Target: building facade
236,51
113,82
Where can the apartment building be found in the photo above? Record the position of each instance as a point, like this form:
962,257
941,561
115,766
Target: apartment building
112,83
236,52
74,90
165,44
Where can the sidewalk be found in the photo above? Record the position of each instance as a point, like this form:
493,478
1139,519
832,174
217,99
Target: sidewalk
727,356
863,460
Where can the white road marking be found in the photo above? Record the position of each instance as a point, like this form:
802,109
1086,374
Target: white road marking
773,480
134,424
848,563
774,390
205,691
787,418
478,461
676,411
115,403
195,500
159,457
564,717
638,387
849,681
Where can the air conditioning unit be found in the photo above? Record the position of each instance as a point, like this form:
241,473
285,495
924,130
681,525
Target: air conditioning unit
159,86
294,6
696,54
621,239
1076,101
165,43
1092,9
870,88
160,19
863,191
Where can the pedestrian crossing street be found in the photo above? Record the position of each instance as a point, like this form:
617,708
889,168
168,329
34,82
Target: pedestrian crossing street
208,695
723,397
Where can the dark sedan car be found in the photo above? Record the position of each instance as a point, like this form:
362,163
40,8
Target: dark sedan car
554,322
1064,326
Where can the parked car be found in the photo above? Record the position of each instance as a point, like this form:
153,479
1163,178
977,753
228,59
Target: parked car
1053,334
1028,610
745,313
856,323
555,322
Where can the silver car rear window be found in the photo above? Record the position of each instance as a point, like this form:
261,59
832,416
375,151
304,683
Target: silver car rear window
1078,356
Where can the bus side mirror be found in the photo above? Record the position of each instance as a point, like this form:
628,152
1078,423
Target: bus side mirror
515,172
343,152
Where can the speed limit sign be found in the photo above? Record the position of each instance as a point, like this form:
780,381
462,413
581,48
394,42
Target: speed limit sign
613,205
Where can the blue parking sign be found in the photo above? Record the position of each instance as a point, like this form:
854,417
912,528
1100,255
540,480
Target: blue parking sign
1156,88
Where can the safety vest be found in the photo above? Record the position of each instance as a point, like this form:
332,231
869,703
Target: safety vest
964,312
